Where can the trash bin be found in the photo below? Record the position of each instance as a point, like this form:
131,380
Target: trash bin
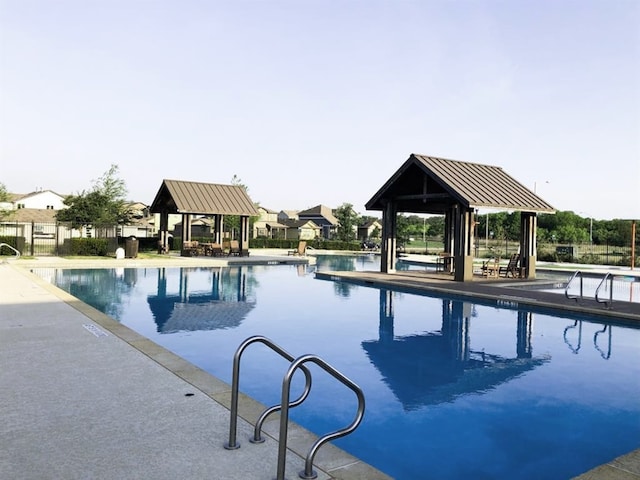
131,247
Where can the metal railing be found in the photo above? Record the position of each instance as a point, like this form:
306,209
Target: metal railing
286,404
607,303
603,283
11,248
232,444
577,274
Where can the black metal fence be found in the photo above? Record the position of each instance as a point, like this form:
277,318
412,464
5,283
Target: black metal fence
37,238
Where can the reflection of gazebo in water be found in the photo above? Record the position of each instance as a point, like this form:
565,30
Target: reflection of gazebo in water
224,306
438,367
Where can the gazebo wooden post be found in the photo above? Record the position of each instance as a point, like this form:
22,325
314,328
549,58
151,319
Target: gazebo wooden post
463,248
163,241
217,227
388,248
244,236
528,224
186,230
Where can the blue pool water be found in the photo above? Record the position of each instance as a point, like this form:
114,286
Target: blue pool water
454,389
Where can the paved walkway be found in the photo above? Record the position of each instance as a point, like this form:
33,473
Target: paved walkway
82,396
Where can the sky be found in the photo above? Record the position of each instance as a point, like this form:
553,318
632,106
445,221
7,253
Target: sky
312,102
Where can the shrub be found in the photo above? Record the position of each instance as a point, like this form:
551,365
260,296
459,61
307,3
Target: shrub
89,246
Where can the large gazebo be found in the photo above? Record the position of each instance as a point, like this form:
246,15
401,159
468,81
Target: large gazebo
196,198
456,189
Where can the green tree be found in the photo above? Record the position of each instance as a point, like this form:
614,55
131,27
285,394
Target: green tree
231,223
4,198
103,206
347,222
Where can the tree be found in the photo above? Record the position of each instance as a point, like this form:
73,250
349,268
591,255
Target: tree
347,222
4,198
103,206
231,223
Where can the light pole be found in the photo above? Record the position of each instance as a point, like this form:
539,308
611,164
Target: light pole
590,227
486,233
535,185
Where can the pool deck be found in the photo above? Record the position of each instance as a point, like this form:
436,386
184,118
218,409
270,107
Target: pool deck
82,396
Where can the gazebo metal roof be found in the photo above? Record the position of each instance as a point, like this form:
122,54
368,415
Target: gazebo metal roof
425,184
177,196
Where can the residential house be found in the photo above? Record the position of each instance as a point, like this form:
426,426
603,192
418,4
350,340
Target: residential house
302,230
268,225
323,217
285,215
200,227
367,230
38,200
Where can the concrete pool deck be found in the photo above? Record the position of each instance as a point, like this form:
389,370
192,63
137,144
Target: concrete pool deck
82,396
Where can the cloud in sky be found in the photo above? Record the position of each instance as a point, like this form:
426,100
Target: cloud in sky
321,101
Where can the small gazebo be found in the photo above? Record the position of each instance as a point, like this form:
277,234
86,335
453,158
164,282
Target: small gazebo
456,189
196,198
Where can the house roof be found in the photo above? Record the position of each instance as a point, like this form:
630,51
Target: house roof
19,196
319,211
425,184
177,196
370,223
301,223
41,215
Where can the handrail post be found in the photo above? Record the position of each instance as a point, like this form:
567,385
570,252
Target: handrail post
232,444
308,472
577,273
11,248
609,277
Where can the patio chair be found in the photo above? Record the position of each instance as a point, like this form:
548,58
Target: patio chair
234,248
190,249
300,251
511,269
214,250
491,267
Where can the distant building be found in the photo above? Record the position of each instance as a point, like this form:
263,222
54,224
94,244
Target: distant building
268,225
302,230
39,200
323,217
366,230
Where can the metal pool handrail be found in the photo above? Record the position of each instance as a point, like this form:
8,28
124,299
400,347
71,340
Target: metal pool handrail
232,444
607,303
578,274
308,471
10,247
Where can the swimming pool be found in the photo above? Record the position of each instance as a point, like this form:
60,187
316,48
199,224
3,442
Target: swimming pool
454,389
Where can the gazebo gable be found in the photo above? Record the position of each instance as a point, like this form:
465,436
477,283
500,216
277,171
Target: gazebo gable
177,196
426,184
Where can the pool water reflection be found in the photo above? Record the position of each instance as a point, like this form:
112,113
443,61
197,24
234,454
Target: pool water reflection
454,389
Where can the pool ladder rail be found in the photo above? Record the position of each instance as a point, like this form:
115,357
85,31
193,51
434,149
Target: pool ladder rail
286,404
17,253
579,275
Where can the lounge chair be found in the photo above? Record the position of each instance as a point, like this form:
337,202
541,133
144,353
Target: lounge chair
491,267
511,269
214,250
300,251
190,249
234,248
